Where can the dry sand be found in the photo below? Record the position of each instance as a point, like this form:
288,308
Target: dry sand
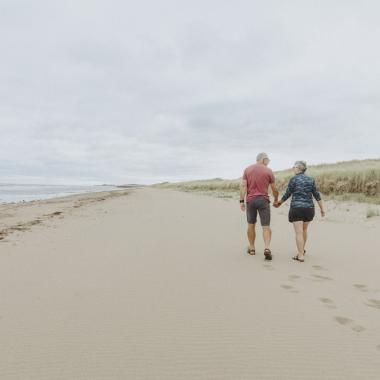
156,284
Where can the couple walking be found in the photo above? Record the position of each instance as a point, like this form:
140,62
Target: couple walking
254,199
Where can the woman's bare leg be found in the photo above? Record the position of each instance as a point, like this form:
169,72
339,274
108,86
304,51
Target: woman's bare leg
305,226
298,229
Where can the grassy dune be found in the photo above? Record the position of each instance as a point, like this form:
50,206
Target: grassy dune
350,180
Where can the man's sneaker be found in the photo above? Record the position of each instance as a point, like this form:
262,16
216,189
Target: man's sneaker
268,254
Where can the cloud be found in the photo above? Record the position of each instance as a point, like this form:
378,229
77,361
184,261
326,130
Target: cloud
119,91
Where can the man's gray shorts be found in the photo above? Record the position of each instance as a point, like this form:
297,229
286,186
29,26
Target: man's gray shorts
262,206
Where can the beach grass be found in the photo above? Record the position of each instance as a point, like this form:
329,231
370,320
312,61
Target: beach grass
372,213
357,180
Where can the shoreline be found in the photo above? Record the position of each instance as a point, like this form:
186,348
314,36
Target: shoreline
21,216
16,193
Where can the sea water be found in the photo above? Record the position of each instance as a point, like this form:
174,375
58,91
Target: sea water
19,193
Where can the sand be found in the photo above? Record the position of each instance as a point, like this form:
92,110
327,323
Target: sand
156,284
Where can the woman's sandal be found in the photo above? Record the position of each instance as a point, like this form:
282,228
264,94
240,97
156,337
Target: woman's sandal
251,251
298,259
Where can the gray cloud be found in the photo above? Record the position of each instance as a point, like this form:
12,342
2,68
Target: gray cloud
119,91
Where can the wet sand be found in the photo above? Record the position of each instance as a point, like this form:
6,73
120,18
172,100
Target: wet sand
156,284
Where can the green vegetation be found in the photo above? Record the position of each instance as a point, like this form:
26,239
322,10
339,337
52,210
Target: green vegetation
357,180
351,177
371,213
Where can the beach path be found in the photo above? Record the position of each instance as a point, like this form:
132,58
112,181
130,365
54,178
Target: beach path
156,284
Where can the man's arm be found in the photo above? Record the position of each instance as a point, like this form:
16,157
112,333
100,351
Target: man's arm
272,182
243,193
274,192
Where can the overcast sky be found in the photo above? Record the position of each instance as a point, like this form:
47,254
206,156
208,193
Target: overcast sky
146,91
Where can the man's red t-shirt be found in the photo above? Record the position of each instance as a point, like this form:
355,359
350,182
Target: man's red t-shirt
258,178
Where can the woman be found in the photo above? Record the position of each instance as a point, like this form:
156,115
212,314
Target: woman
302,189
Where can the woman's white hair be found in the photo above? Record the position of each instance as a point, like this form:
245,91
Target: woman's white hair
301,165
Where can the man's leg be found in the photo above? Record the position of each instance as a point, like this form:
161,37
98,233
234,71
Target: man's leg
251,230
305,226
251,234
298,229
264,212
267,235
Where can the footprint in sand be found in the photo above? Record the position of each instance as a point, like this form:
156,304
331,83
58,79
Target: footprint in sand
289,288
328,302
293,277
268,266
343,321
357,328
318,267
322,278
363,288
373,303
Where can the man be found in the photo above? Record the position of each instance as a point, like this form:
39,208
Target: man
254,188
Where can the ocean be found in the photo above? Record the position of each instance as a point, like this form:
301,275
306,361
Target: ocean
18,193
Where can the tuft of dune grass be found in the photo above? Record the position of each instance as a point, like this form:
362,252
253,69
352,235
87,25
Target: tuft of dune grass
371,213
357,180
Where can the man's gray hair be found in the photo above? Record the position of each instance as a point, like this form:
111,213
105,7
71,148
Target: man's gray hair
261,156
301,165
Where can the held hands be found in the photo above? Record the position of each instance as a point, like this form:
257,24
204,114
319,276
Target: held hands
277,204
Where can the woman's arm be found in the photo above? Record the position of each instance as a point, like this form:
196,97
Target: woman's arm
320,204
315,192
289,191
318,198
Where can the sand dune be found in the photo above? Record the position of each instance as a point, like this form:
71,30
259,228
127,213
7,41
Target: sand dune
156,284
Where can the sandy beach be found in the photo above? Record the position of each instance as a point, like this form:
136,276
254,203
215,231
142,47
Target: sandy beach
155,284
